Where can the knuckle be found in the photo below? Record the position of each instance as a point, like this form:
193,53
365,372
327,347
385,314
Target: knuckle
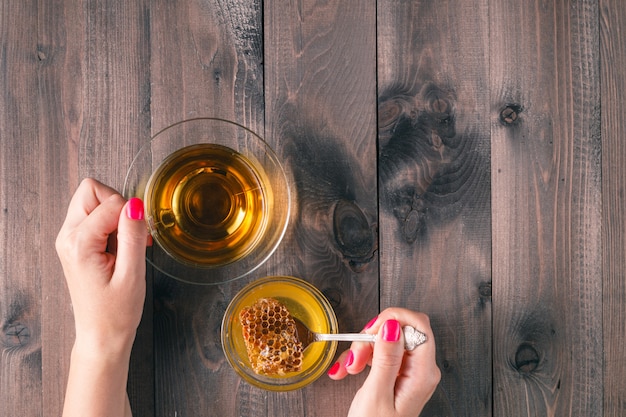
390,359
423,319
69,247
88,183
435,376
131,239
115,202
405,316
58,244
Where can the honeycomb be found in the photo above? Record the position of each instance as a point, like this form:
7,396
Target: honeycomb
271,338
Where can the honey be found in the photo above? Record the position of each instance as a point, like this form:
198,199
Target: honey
271,338
304,303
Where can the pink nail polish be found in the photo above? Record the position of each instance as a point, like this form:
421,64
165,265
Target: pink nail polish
333,369
370,323
349,359
134,209
391,331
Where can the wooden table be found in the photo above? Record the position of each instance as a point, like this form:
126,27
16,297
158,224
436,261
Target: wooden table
460,158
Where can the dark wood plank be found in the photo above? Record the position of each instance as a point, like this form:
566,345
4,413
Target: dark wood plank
547,277
94,86
613,84
206,60
20,247
434,178
320,92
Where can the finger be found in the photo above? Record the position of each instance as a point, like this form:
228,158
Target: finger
96,228
132,235
420,375
420,321
89,195
386,361
86,243
354,360
338,370
359,357
362,351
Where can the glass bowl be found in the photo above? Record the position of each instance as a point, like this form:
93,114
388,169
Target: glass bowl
216,197
304,302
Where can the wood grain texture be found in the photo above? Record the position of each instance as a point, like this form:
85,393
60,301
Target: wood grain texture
94,81
20,230
613,85
93,86
321,117
60,50
434,185
547,277
499,155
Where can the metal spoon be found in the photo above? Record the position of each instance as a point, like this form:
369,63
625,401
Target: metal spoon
412,337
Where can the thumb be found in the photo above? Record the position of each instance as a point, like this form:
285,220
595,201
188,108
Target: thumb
386,361
132,236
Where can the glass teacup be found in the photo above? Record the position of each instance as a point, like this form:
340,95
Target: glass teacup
216,196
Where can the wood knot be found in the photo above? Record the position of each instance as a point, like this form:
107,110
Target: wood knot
439,105
388,113
42,52
484,289
411,225
509,115
16,335
353,233
526,358
412,218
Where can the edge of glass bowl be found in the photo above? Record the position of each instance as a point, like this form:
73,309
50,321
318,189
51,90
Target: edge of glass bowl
279,384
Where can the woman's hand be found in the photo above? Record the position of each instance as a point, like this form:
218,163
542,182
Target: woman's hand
400,382
102,246
102,249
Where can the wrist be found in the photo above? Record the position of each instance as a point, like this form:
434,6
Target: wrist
90,346
98,378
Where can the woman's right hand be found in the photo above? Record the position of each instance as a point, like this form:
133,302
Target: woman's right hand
400,382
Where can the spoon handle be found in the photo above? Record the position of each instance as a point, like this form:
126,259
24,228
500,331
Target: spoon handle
412,337
345,337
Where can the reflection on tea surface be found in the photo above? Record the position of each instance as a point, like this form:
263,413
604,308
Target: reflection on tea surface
207,205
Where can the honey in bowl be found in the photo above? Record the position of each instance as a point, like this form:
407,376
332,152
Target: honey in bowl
271,337
304,302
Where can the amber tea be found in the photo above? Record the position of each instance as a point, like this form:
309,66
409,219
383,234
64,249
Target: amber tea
207,205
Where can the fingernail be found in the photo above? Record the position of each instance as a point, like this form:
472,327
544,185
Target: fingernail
391,331
333,369
349,359
370,323
134,209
